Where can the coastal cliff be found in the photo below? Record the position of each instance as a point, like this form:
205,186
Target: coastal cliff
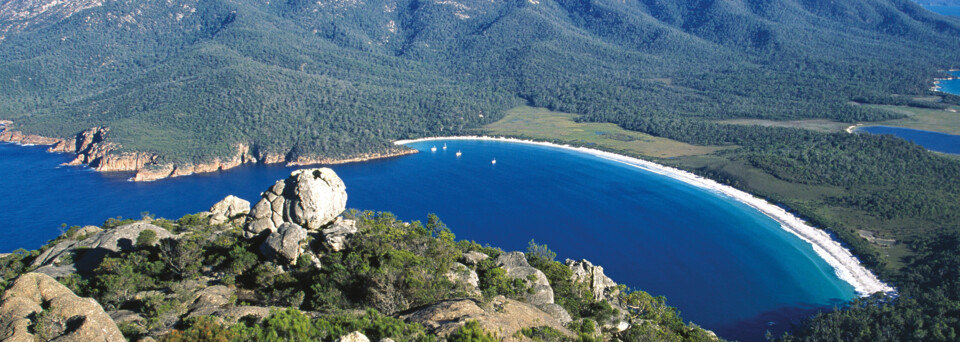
92,148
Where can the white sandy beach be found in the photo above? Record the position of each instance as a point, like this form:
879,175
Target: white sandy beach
846,266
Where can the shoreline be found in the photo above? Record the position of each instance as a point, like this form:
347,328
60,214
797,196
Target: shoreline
845,265
92,151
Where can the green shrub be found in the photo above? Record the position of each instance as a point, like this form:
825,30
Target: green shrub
472,332
201,329
146,238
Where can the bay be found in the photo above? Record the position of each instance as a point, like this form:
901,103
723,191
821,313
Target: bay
934,141
725,265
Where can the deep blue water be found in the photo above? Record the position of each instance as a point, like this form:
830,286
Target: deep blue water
934,141
726,266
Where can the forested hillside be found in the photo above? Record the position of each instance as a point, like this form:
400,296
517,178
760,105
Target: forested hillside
189,79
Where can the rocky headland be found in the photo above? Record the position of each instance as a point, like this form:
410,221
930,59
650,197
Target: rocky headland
297,255
92,148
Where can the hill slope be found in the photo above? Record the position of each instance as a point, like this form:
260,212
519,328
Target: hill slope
188,80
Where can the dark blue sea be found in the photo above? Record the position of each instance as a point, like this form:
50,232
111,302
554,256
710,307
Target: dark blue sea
726,266
934,141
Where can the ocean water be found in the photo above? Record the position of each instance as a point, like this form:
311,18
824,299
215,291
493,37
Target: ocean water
726,266
934,141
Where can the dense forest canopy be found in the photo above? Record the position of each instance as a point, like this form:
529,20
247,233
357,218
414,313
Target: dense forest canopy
188,79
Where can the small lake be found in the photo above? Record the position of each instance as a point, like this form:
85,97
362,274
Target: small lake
951,86
726,266
934,141
945,10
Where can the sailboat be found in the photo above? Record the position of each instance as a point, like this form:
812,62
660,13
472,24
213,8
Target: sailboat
459,153
494,162
433,149
444,146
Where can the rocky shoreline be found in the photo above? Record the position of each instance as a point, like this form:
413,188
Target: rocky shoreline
92,149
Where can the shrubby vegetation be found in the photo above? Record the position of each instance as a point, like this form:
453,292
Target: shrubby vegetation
292,325
387,267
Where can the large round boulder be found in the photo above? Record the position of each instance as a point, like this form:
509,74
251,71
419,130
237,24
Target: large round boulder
310,198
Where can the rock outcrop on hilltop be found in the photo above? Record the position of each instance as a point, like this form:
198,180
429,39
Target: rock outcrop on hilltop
585,272
37,307
284,245
540,294
91,246
310,198
228,208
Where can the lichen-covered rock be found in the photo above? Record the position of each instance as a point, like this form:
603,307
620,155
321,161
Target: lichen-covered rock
541,294
310,198
37,300
515,263
86,254
504,316
85,232
586,272
462,275
336,236
232,314
210,300
603,288
283,245
229,207
355,336
474,257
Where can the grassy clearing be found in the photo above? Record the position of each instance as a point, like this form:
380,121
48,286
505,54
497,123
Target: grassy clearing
820,125
543,124
936,120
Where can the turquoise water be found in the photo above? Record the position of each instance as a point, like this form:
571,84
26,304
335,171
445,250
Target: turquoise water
726,266
934,141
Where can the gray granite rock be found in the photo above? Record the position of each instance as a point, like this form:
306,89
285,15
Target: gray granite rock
228,208
355,336
474,257
84,255
310,198
283,245
336,236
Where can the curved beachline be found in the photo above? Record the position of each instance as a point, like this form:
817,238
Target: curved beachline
844,263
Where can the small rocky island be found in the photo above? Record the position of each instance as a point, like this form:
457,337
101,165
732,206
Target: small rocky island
298,266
